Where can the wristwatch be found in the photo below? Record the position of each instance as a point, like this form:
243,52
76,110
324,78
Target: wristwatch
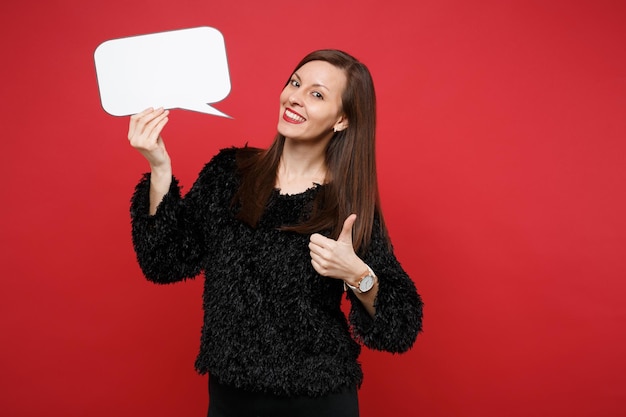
366,282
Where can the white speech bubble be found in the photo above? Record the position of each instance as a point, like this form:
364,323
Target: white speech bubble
184,69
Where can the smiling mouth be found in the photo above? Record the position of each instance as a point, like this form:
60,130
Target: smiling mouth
293,117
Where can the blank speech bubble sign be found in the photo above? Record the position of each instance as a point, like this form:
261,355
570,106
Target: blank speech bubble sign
184,69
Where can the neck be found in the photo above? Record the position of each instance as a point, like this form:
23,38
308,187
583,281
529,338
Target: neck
300,167
303,159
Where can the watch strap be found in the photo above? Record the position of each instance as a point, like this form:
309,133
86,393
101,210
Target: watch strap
357,288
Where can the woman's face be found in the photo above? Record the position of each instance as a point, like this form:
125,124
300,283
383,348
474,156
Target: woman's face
310,104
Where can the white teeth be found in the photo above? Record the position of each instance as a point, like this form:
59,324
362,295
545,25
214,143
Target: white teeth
294,116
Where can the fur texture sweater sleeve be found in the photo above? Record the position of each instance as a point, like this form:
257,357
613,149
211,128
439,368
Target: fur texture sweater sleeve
169,245
398,317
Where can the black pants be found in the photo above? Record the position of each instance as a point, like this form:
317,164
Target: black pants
225,401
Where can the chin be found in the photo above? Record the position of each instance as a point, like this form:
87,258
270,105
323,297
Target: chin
287,130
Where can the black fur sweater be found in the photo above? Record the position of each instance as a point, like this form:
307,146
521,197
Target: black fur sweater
271,323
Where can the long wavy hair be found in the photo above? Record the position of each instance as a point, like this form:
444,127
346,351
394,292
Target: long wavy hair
351,181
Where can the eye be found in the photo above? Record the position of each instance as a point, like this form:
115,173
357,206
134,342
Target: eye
294,83
317,94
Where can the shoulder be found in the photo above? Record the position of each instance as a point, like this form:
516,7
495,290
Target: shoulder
234,156
224,158
222,162
227,164
220,169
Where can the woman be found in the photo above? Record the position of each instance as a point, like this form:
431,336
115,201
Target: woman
280,234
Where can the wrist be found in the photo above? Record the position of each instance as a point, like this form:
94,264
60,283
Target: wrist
162,168
354,280
161,180
162,172
363,282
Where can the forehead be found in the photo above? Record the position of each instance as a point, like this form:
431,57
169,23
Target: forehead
323,73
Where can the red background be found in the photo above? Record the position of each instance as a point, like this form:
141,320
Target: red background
501,153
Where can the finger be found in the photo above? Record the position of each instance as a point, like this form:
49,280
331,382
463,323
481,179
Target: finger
134,119
149,120
160,127
316,247
150,139
142,113
346,232
156,126
318,239
318,267
151,130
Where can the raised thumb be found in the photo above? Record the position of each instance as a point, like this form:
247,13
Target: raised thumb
346,231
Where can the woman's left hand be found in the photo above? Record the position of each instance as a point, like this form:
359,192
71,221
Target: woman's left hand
336,258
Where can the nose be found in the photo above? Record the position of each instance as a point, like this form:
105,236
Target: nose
295,99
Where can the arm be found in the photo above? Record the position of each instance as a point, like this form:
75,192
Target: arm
144,134
168,244
398,318
163,234
336,259
387,317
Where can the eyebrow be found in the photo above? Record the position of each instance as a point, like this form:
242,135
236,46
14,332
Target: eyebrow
314,85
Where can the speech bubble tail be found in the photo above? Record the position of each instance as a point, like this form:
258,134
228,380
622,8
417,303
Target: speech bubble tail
206,109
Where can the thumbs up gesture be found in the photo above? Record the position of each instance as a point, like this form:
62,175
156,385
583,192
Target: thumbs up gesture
336,258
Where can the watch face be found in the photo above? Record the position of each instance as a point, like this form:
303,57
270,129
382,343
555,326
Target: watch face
366,283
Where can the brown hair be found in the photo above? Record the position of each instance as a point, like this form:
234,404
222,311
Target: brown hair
351,181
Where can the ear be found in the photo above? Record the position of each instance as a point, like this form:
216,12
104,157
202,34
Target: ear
341,124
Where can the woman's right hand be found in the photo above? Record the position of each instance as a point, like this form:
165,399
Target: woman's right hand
144,134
